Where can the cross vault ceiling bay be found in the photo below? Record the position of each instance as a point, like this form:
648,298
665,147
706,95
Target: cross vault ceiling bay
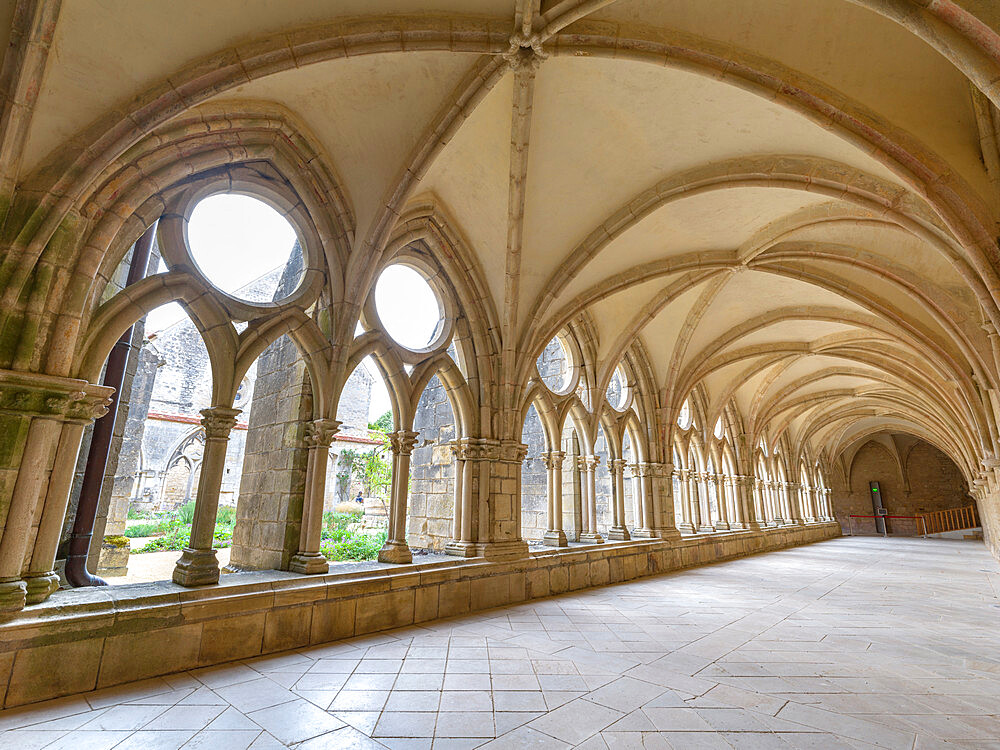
789,207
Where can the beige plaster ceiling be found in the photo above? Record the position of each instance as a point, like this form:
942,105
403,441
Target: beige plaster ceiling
786,248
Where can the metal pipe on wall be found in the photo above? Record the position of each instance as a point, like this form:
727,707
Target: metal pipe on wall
100,444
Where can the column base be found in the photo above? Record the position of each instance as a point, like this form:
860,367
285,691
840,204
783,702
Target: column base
512,550
753,526
796,522
310,563
40,586
197,567
685,528
460,549
555,539
591,537
705,529
666,535
13,596
397,553
618,534
737,526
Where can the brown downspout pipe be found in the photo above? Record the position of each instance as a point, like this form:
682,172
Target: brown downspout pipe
100,443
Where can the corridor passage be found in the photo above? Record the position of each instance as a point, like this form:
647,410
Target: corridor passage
852,643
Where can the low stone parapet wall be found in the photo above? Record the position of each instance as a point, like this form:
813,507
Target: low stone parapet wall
94,638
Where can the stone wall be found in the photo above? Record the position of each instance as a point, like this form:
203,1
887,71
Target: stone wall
432,471
929,481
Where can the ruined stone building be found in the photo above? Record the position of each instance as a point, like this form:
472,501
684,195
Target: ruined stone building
649,284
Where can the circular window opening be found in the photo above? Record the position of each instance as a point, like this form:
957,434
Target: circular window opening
617,393
407,306
554,366
245,248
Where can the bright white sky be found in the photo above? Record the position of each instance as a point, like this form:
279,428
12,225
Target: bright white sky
236,239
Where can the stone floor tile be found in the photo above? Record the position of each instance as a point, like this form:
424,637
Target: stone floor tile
125,717
95,740
227,674
519,700
363,721
30,739
172,739
370,682
465,724
255,694
467,682
203,696
842,725
231,720
466,700
625,693
359,700
515,682
406,724
194,718
334,666
413,700
230,739
320,681
296,721
576,721
265,741
525,737
418,682
347,738
506,721
676,719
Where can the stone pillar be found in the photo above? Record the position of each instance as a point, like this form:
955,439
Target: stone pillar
42,419
395,549
778,512
198,565
640,517
554,535
499,499
658,501
319,437
735,506
745,498
724,523
589,480
687,525
618,532
466,457
704,509
793,491
828,505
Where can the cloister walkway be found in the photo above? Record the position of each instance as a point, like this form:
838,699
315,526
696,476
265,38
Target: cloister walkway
852,643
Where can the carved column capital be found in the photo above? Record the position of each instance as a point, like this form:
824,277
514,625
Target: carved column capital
552,459
618,465
590,463
35,395
403,442
320,433
218,421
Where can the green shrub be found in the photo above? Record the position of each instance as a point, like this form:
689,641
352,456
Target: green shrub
226,515
134,514
185,513
145,529
357,547
178,536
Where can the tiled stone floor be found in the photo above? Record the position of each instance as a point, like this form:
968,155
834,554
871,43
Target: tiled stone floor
852,643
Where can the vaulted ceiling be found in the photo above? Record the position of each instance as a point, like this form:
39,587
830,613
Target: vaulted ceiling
790,205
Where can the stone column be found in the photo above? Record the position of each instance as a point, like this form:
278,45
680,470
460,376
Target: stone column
198,565
744,495
687,525
463,544
704,510
319,437
724,523
395,549
554,535
618,532
42,419
589,479
793,491
499,499
640,522
658,513
735,506
828,505
776,503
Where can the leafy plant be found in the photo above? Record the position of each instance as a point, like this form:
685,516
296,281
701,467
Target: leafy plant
185,513
383,423
145,529
226,515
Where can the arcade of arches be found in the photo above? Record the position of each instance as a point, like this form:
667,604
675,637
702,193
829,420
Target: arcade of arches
691,259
